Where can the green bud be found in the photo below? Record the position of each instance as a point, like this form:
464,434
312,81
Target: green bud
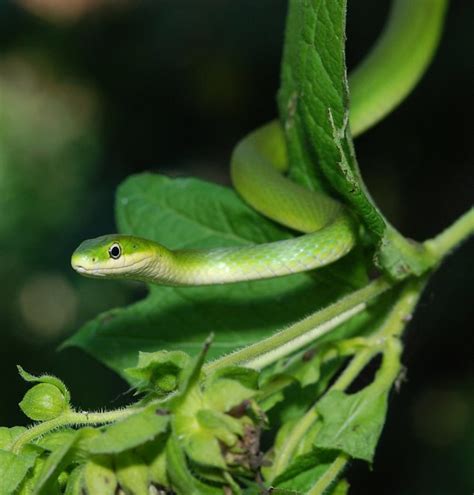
44,402
167,383
63,479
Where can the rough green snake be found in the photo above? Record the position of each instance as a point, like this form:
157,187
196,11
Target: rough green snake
258,164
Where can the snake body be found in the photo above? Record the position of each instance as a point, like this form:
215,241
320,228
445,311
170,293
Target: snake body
257,167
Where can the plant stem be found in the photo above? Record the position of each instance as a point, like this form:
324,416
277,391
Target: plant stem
68,419
330,475
303,340
460,230
283,459
295,331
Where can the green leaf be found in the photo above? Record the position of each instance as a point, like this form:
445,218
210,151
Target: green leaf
132,473
54,464
199,443
222,394
192,372
182,480
158,371
13,469
55,439
99,476
183,213
129,432
224,427
352,423
314,109
305,470
29,483
246,377
75,482
9,435
154,455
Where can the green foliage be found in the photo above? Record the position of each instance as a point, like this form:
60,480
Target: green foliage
352,423
210,421
98,476
305,471
146,425
13,469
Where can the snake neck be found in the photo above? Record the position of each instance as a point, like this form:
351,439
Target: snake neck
160,266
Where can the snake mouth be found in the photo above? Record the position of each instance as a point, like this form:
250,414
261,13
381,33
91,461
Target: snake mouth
93,272
85,267
80,269
103,271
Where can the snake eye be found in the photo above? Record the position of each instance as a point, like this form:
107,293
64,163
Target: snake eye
115,251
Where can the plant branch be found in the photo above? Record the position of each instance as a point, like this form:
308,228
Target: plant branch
330,475
303,340
455,234
309,324
71,418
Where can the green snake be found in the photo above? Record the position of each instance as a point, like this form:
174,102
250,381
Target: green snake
258,164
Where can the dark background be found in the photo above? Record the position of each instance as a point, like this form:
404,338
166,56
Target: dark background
94,90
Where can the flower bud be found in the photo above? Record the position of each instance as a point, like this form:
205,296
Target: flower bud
44,402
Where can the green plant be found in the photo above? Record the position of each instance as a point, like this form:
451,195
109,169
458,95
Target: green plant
197,425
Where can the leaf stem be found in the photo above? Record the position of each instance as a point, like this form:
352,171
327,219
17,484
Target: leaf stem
303,340
329,475
309,324
71,418
460,230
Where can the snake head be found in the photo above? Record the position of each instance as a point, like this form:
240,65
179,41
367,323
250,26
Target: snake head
113,256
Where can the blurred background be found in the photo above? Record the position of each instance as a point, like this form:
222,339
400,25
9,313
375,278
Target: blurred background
94,90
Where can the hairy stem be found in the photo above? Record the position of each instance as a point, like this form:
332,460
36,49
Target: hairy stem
455,234
331,474
303,340
295,331
71,418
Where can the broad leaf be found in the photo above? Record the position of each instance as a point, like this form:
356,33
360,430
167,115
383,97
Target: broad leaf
13,469
314,109
132,473
55,463
9,435
99,476
184,213
180,477
130,432
352,423
304,471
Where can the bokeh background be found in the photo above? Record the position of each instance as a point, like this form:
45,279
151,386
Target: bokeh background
94,90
